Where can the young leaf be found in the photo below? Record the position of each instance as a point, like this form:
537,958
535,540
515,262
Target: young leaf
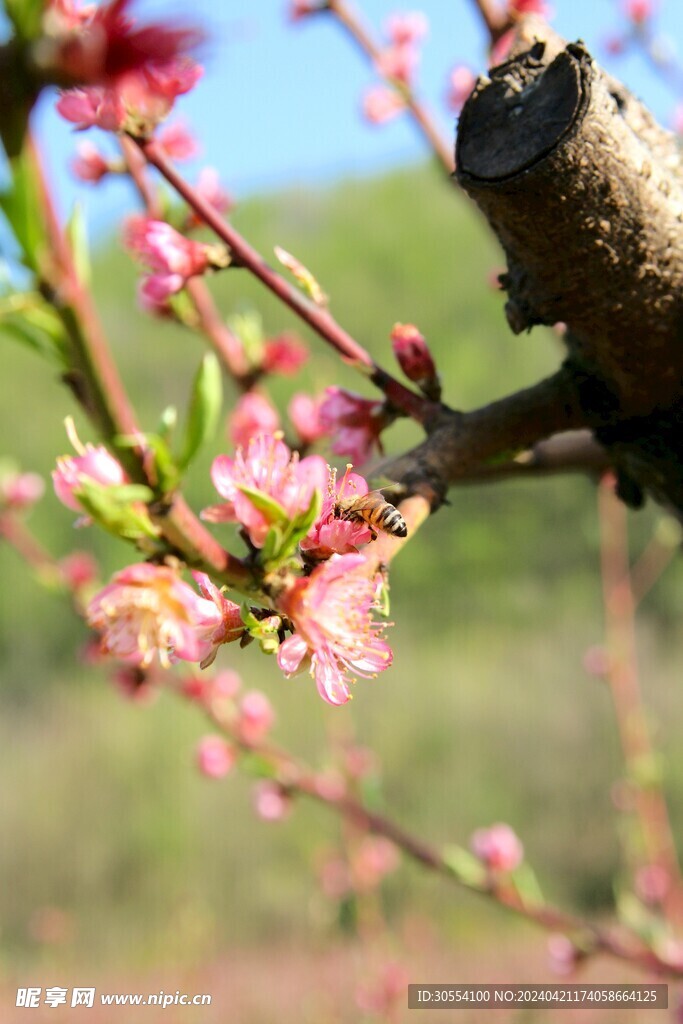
26,16
77,233
205,408
21,203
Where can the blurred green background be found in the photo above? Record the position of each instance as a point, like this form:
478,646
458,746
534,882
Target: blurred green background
487,714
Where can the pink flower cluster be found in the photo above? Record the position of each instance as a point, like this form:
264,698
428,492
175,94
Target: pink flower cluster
132,74
397,62
354,422
498,847
173,258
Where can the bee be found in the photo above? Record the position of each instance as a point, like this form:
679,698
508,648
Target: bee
375,511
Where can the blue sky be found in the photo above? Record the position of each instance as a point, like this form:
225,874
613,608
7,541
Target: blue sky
279,103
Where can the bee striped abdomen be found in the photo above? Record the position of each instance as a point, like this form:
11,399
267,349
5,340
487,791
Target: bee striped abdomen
373,510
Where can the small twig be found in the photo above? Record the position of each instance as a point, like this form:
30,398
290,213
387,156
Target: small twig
412,404
360,35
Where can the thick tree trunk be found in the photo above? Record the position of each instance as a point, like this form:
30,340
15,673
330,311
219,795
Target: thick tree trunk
585,192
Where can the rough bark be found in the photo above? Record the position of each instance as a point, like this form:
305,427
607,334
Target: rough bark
585,193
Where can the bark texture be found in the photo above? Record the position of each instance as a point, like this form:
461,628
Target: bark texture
585,193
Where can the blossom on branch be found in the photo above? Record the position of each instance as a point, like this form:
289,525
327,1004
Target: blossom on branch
89,164
215,757
406,29
284,354
148,611
336,635
304,412
461,82
229,628
253,414
638,11
354,422
177,141
271,801
21,490
498,847
211,191
330,534
381,104
413,356
398,63
173,258
269,468
520,7
256,717
92,463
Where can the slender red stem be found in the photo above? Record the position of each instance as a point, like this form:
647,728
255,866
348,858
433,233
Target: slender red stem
347,17
421,409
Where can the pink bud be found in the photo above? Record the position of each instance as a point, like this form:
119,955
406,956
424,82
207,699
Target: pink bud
177,141
21,490
94,464
79,569
89,164
253,415
498,847
375,858
304,412
284,354
210,189
615,45
412,354
271,801
381,104
256,717
460,84
638,11
398,63
562,953
301,8
408,28
539,7
226,685
215,757
597,661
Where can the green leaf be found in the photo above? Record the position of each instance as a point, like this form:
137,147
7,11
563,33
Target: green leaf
465,867
205,408
77,233
271,508
118,509
167,423
22,205
26,16
30,320
527,884
164,464
249,329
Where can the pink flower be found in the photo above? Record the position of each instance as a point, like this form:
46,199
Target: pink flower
381,104
21,490
461,82
89,164
137,102
381,997
413,355
354,422
375,858
498,847
256,717
79,569
107,45
284,354
210,189
638,11
332,612
230,626
615,45
304,412
253,415
267,466
226,685
173,258
148,610
563,954
177,141
93,106
408,28
330,533
92,463
215,757
271,801
398,63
